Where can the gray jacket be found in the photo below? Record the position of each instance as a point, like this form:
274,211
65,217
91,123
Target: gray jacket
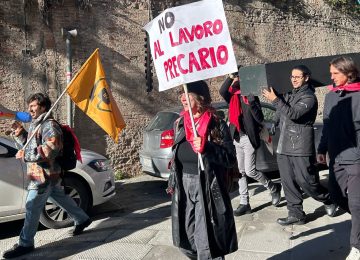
296,113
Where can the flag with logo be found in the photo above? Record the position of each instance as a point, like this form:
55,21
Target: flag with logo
91,93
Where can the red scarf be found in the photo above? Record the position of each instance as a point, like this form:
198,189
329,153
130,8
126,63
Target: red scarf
235,110
201,124
349,87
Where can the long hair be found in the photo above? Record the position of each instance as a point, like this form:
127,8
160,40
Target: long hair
346,66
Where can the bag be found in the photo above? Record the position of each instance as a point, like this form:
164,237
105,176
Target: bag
67,160
71,148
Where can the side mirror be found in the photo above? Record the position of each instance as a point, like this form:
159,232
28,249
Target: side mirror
3,150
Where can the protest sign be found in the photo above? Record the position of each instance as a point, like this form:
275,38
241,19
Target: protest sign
191,42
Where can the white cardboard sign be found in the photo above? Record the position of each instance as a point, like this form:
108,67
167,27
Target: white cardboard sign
191,42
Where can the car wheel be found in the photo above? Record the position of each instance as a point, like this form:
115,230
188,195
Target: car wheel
54,216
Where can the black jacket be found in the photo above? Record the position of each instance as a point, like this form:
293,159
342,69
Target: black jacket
296,112
251,118
341,131
215,198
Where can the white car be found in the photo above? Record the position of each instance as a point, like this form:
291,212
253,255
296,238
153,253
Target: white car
91,183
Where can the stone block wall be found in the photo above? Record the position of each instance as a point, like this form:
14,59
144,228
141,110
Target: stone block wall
33,54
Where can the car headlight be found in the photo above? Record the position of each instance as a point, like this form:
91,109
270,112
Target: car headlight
100,165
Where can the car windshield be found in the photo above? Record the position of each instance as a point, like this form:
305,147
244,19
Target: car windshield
162,121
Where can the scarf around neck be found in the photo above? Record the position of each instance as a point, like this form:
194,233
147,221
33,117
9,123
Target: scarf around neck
235,109
201,124
353,87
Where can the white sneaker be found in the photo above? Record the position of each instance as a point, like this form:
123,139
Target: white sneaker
354,254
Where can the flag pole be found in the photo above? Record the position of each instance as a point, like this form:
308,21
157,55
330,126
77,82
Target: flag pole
192,123
57,101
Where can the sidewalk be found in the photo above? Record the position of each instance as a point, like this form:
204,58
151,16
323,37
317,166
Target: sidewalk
136,225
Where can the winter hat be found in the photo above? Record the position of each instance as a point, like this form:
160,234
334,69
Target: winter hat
200,88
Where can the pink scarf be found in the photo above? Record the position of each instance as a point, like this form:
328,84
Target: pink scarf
349,87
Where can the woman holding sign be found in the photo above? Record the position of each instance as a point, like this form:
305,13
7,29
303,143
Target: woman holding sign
202,218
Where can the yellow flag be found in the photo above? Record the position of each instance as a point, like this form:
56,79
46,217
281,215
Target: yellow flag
90,92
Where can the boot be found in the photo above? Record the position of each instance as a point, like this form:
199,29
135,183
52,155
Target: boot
276,195
242,209
290,220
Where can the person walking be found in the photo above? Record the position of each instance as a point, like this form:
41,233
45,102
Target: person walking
44,174
246,118
341,140
296,113
203,225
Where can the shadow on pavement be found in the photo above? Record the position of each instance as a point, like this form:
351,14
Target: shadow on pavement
328,246
136,206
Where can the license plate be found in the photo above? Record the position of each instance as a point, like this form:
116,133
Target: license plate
147,162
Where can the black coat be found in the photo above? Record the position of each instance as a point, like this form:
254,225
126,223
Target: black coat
341,131
296,112
215,198
251,118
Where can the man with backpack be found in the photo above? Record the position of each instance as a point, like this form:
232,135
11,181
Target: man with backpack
44,173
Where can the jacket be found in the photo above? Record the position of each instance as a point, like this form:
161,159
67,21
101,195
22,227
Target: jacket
251,118
215,199
296,113
341,132
40,154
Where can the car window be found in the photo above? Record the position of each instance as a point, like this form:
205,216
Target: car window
269,113
162,121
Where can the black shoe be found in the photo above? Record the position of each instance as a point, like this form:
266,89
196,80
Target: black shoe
330,209
291,220
80,228
242,210
17,251
276,195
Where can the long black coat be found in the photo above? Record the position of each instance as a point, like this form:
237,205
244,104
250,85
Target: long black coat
215,198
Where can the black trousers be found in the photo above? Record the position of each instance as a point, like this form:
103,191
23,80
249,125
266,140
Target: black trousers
298,174
344,186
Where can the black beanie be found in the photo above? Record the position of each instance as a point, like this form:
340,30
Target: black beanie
200,88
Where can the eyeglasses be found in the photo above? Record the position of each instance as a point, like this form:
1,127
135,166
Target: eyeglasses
296,77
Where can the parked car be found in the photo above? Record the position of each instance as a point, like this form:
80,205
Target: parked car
158,137
90,183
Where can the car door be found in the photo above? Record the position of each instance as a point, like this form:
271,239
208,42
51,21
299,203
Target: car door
12,177
265,159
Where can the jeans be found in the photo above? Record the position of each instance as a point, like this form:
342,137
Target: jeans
246,155
35,202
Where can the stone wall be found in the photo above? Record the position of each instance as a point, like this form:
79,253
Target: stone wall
33,55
